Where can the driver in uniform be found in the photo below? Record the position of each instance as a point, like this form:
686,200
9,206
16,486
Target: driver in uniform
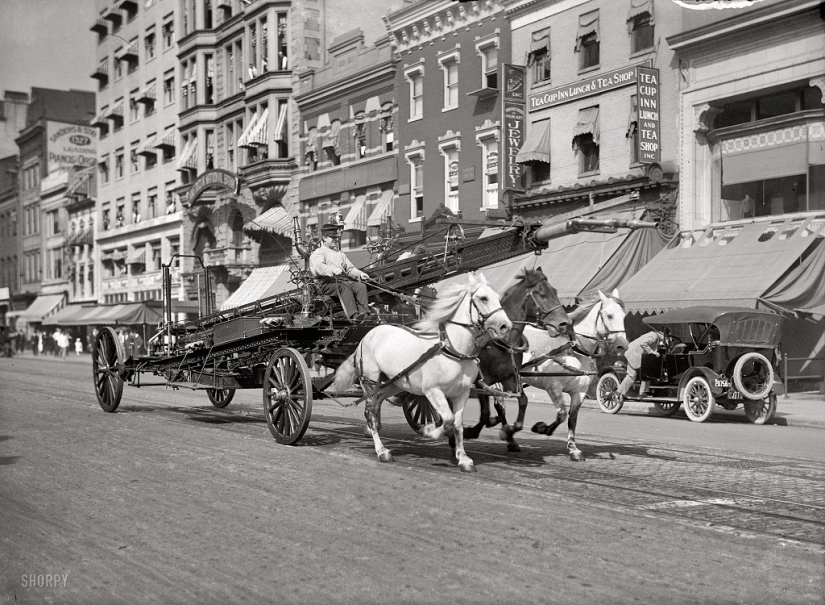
336,275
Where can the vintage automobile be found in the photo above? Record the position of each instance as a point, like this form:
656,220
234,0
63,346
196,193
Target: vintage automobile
714,356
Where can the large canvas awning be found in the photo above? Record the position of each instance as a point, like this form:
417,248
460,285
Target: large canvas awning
42,306
275,220
356,219
730,265
382,209
262,283
537,146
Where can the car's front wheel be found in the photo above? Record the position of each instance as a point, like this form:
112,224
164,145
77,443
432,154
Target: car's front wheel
698,400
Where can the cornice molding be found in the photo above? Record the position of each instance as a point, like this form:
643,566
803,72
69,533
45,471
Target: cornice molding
349,84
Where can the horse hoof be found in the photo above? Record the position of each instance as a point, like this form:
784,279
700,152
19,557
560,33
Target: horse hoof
385,457
576,456
539,427
467,468
513,447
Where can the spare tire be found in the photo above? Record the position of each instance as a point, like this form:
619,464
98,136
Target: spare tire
753,376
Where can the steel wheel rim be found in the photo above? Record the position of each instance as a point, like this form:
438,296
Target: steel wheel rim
698,400
108,383
287,398
420,412
608,395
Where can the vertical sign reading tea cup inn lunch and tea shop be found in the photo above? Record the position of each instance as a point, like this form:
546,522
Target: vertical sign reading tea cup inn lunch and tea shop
647,99
512,130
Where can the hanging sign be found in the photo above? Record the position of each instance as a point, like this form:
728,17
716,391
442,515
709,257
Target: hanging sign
647,95
512,125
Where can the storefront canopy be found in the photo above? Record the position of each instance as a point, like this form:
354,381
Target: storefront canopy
42,306
125,314
262,283
803,288
731,266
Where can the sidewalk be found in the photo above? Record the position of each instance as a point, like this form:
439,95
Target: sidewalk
799,409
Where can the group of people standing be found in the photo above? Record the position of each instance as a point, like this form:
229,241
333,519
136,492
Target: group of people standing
57,343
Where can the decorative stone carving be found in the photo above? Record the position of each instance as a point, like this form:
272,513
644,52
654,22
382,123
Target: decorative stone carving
684,71
415,33
819,82
268,196
703,117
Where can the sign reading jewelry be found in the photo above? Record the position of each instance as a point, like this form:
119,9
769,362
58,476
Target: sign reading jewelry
647,95
70,145
512,125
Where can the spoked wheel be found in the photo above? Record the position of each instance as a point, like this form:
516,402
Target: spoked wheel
287,396
607,393
698,400
419,412
667,408
220,398
761,412
107,358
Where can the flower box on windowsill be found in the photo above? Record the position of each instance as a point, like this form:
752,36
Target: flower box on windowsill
483,93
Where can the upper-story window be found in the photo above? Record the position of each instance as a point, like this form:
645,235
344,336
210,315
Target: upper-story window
169,87
449,67
586,140
449,151
538,58
360,135
415,77
416,185
311,151
587,40
386,127
134,107
208,14
150,43
118,64
168,32
489,64
640,25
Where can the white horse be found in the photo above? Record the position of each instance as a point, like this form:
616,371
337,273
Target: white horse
435,359
598,325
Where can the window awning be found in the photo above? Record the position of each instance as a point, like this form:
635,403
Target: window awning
382,209
331,140
147,147
243,140
766,163
42,307
536,147
137,257
260,134
539,40
275,220
570,262
116,112
588,124
70,315
168,139
101,122
262,283
588,24
638,8
733,266
280,127
356,219
124,314
189,158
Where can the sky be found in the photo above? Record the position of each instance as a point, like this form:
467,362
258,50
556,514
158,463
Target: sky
48,44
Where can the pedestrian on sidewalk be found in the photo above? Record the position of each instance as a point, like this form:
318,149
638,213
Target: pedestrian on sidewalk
78,346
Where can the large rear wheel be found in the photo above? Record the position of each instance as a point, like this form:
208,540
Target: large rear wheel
761,412
287,396
667,408
220,398
607,393
698,400
107,361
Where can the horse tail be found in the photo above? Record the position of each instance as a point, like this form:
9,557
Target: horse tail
345,375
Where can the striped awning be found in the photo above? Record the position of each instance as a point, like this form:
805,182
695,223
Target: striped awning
280,128
382,209
116,111
100,121
168,139
537,146
356,219
260,134
42,306
243,140
148,147
137,257
275,220
189,158
262,283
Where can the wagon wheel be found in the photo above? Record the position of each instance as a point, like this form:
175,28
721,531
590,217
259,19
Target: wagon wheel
107,361
287,396
667,408
698,400
761,412
419,412
607,393
220,398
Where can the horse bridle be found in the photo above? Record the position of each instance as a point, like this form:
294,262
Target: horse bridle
482,318
601,338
